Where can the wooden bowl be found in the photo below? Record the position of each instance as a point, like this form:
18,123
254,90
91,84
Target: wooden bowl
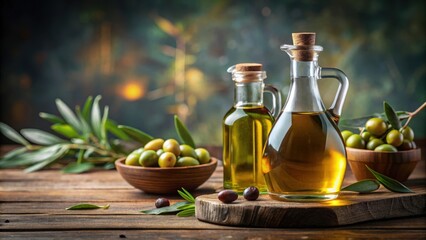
165,180
397,165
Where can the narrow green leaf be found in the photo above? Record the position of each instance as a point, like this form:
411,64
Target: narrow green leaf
363,186
86,108
164,210
61,152
186,195
186,213
108,166
41,137
389,183
13,153
51,118
391,116
183,132
30,157
86,206
68,115
136,134
189,206
10,133
355,123
96,117
85,128
104,137
65,130
112,127
78,167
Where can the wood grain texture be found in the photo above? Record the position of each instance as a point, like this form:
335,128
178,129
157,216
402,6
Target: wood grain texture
32,207
349,208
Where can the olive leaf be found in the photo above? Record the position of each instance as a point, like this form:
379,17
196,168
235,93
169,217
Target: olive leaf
356,123
136,134
49,160
41,137
65,130
51,118
112,127
363,186
164,210
29,157
390,183
186,195
392,116
86,206
103,131
86,108
183,132
96,117
68,115
10,133
76,167
187,212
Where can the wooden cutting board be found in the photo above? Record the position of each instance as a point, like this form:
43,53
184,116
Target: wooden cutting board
349,208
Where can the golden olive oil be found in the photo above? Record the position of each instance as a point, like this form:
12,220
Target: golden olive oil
245,131
305,158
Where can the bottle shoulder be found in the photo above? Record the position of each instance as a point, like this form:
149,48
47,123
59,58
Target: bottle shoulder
241,113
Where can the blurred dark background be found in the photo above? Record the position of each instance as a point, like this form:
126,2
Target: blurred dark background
152,59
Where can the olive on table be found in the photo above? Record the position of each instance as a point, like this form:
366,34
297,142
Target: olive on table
203,155
251,193
148,158
376,126
167,159
171,145
162,202
227,196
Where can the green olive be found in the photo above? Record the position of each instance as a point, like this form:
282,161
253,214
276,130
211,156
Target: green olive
385,148
160,151
203,155
394,138
138,151
167,159
187,161
154,144
171,145
408,133
133,159
346,134
366,136
373,143
376,126
355,141
187,151
149,158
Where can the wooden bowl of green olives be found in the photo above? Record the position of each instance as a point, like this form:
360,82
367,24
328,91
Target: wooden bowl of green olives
397,165
165,180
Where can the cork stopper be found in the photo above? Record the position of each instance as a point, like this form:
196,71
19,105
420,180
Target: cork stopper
248,67
303,40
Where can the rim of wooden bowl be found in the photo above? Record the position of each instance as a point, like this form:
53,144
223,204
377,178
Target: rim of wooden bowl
120,162
372,151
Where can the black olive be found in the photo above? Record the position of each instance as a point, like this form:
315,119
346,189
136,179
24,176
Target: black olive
162,202
251,193
227,196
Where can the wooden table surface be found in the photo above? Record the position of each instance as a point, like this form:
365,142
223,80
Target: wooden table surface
32,206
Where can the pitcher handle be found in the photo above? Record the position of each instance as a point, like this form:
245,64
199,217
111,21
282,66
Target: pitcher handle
276,99
336,107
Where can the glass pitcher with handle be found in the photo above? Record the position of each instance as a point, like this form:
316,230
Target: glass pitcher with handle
246,127
305,157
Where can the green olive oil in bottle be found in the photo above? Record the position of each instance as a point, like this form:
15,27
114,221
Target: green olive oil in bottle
246,127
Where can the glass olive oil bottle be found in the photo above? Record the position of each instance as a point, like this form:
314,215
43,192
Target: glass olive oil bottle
305,157
246,127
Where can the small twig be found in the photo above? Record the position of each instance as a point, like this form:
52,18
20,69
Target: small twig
411,115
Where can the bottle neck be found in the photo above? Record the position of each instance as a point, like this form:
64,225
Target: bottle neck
249,94
304,94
